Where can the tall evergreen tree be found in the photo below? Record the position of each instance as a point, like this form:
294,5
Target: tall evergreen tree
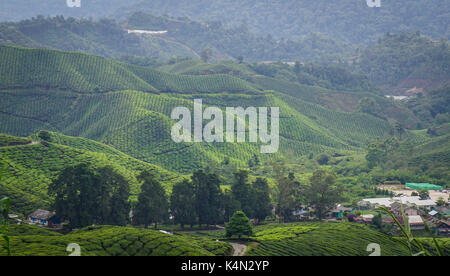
207,197
322,193
229,205
182,203
152,206
261,207
289,196
76,191
241,192
117,188
84,196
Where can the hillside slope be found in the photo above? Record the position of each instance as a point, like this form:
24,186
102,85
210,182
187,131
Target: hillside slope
30,168
327,239
109,241
25,68
129,107
407,64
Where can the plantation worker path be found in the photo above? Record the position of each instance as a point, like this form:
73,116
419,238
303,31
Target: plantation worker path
239,249
25,145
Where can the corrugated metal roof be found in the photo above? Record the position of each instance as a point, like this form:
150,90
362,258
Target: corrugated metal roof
432,213
415,220
42,214
404,200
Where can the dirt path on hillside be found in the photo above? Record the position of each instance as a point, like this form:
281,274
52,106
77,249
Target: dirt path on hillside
239,249
18,146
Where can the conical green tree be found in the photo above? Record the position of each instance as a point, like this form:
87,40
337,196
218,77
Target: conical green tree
239,225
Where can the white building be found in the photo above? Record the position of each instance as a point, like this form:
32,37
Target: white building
387,202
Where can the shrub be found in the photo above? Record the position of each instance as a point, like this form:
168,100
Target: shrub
239,225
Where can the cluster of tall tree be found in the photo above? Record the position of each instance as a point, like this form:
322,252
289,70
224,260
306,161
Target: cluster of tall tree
85,196
202,201
321,193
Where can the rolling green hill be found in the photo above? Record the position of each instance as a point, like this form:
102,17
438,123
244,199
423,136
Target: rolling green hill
32,68
104,37
331,87
407,63
110,241
123,112
31,168
294,239
326,239
128,107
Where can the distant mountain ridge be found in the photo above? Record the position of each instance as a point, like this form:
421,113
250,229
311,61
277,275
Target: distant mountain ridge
345,20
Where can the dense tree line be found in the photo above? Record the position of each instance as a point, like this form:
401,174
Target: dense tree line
336,77
202,201
86,196
239,42
432,108
396,57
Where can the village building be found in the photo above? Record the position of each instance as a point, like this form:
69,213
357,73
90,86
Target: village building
364,219
408,210
391,220
44,218
434,213
416,223
405,200
339,211
14,218
443,228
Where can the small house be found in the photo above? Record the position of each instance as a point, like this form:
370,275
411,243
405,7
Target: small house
391,221
443,228
364,219
339,211
13,218
396,208
416,223
434,213
43,217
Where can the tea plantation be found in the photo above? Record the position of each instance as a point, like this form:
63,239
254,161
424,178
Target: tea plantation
326,239
31,168
111,241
